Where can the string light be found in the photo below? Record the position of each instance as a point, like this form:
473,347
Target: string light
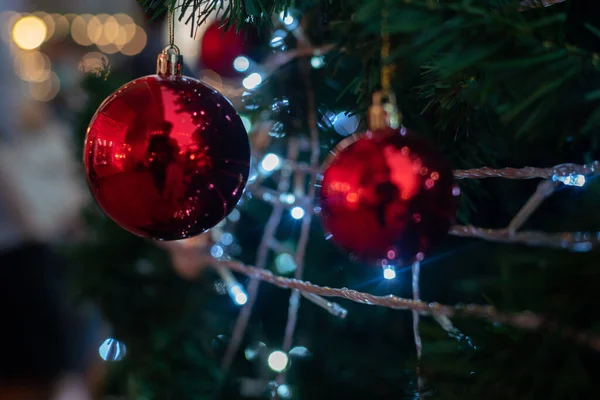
278,361
29,32
238,295
285,263
317,62
270,163
283,391
112,350
345,124
216,251
389,272
241,64
571,180
299,351
297,212
252,81
288,20
287,198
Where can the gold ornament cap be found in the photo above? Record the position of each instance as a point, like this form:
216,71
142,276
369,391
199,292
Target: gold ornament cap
169,62
383,112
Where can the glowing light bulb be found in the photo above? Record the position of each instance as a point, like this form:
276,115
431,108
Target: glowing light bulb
571,180
238,295
288,19
389,272
283,391
317,62
112,350
252,81
270,163
241,64
297,212
278,361
285,263
29,32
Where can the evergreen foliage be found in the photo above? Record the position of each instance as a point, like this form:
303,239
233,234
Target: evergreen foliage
490,85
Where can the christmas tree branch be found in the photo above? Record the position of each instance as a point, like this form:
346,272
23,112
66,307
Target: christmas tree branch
561,170
525,320
574,241
529,4
558,171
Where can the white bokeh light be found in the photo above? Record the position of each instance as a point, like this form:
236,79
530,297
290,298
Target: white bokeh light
252,81
238,295
317,62
297,212
278,361
270,163
241,64
389,272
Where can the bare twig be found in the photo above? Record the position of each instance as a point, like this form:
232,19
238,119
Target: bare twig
574,241
525,320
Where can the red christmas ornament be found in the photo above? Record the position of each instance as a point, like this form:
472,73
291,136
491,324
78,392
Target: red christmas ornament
220,47
387,196
166,157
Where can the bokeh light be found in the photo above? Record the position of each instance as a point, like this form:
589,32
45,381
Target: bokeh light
50,25
61,26
45,90
278,361
137,42
79,30
32,66
29,32
93,62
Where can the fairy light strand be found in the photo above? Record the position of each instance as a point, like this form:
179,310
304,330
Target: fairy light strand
525,320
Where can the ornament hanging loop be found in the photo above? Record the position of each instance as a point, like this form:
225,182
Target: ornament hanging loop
383,112
169,62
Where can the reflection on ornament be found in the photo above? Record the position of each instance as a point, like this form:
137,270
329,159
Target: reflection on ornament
166,157
387,196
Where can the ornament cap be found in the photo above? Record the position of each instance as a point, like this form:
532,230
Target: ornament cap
169,62
383,112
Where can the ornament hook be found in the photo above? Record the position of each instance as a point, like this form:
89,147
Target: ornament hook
383,112
169,62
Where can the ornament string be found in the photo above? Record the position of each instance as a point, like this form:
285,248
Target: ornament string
525,320
171,23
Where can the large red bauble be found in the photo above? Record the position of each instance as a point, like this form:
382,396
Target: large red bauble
220,47
387,196
166,157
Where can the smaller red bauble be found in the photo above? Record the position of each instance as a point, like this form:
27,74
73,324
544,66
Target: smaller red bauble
220,47
387,196
166,157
